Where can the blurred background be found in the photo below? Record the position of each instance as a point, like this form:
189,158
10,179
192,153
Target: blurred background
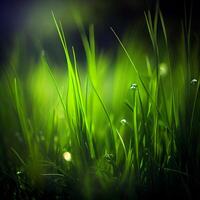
29,25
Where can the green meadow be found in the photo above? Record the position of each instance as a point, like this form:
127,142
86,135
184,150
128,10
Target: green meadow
121,125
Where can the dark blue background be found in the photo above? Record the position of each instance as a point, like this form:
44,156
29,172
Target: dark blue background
116,13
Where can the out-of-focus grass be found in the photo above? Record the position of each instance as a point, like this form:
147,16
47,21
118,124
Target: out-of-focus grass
113,132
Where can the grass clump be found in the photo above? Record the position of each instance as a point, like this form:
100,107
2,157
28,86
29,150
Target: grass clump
116,133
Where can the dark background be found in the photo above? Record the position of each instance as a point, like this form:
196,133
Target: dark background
30,22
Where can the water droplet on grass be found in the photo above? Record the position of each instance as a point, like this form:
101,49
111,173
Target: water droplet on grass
193,81
19,172
123,121
134,86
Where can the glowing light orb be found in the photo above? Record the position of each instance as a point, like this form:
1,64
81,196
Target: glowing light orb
163,69
67,156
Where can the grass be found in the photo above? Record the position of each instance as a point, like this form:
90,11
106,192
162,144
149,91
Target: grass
131,130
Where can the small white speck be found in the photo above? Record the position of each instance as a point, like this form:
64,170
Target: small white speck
193,81
123,121
134,86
